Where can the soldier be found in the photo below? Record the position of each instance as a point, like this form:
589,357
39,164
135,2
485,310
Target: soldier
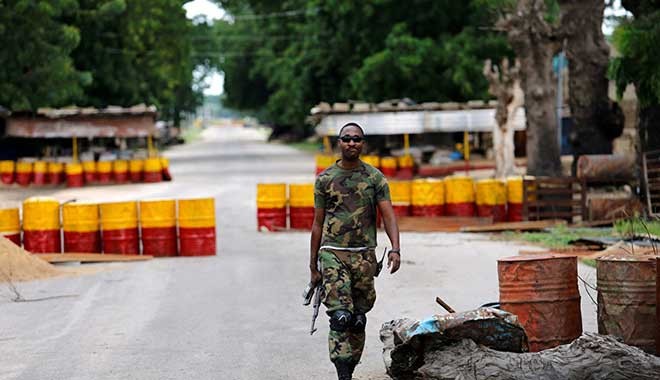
343,241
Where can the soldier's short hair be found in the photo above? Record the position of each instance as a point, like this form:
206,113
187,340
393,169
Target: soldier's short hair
351,124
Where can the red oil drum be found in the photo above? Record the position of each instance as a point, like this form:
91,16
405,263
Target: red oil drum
542,291
153,171
301,205
55,173
388,166
119,226
80,222
491,199
271,206
40,173
74,175
120,171
165,164
158,226
7,169
41,225
10,225
400,192
627,299
89,170
514,187
197,227
459,192
428,197
104,172
406,166
24,173
136,169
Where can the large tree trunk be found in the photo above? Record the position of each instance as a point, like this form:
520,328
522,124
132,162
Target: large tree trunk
534,41
649,127
596,119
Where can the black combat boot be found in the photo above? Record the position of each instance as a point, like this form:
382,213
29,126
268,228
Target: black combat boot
344,369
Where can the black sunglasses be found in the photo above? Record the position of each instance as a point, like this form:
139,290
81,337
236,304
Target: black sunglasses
347,139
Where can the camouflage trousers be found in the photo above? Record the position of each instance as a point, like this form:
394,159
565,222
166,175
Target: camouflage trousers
348,281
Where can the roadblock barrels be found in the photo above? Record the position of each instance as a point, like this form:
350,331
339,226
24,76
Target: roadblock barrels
41,225
372,160
165,169
104,172
74,174
400,192
427,197
542,291
388,166
24,172
153,171
459,193
119,226
55,173
301,205
120,171
514,194
158,226
89,170
491,199
40,173
7,169
135,169
10,225
271,206
80,224
324,161
406,165
627,299
197,227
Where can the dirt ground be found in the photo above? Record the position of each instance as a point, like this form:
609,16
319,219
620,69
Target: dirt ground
237,315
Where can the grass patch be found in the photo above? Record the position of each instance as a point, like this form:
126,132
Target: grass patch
557,237
637,226
191,134
306,146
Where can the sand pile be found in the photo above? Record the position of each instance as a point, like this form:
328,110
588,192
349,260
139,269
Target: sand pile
17,264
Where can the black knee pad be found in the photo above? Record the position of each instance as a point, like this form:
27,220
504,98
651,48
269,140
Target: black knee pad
359,322
340,320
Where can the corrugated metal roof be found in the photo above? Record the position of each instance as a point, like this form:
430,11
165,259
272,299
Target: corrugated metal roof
56,113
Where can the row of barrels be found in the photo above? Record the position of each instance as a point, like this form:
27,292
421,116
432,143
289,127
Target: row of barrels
542,291
451,196
74,174
400,167
184,227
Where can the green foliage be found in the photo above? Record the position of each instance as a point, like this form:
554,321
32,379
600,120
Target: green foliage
636,226
557,237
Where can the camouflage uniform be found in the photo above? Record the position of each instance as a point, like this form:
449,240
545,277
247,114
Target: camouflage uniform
350,199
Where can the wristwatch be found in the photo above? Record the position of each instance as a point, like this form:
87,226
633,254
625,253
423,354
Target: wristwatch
398,250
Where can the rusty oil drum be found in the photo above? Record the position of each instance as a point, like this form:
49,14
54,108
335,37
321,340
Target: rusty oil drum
542,291
627,299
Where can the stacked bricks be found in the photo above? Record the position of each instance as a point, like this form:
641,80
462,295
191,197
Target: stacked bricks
135,169
10,225
119,226
428,197
80,223
24,173
271,206
7,172
74,175
388,166
153,171
400,192
372,160
491,199
41,225
40,172
197,227
120,171
406,164
165,169
89,170
324,161
459,191
514,198
158,226
301,205
55,173
104,172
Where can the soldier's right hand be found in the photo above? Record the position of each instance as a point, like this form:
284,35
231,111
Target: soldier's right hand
315,277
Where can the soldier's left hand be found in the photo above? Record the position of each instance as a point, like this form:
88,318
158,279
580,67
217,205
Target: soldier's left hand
393,261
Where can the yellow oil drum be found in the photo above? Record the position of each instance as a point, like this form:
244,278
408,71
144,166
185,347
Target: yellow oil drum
165,164
491,199
459,196
401,193
428,197
271,206
41,225
24,172
120,171
10,225
372,160
514,187
388,166
40,173
7,169
56,174
197,227
153,170
324,161
119,226
104,172
406,167
80,224
158,226
89,170
74,174
301,205
136,169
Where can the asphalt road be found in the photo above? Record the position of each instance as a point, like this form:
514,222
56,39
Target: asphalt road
237,315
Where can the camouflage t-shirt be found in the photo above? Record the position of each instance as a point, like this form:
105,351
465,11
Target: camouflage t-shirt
350,199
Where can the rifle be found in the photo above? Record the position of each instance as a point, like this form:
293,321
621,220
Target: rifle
315,291
379,265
